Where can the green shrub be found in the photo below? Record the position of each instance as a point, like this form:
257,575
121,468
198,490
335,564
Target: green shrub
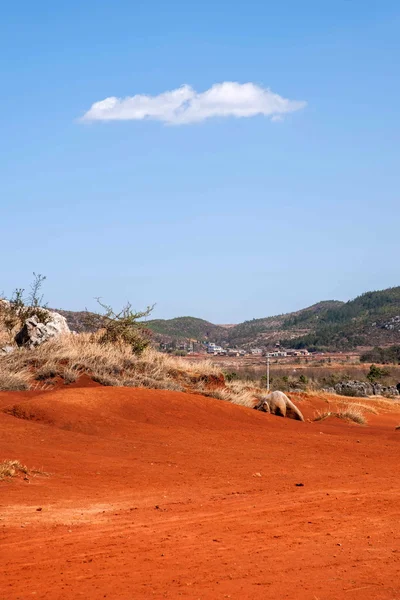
121,328
375,373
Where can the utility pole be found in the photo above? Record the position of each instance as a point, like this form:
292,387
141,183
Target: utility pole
268,374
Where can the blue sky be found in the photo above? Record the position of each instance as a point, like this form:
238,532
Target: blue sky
226,218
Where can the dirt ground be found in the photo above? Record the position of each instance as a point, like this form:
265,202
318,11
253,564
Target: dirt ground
155,494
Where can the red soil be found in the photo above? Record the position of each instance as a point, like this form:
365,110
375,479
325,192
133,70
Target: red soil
155,494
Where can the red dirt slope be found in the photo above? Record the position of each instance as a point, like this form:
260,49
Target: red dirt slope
155,494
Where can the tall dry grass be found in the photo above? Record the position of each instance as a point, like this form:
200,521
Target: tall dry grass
69,356
347,413
236,392
13,377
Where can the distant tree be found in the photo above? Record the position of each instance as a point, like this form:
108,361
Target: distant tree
375,373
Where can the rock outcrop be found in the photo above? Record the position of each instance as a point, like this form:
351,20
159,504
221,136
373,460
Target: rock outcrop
362,389
34,333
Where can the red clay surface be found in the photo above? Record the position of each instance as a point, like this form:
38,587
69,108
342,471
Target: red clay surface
155,494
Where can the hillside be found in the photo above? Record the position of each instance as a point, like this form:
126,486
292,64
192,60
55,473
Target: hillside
186,328
372,319
269,330
264,331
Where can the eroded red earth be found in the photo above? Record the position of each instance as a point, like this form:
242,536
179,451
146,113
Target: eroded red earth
155,494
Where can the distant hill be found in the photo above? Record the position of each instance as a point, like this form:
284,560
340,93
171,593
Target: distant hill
372,319
269,330
186,328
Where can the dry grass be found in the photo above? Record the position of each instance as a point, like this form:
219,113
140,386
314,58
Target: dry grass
373,404
70,356
110,365
347,412
47,371
321,415
69,375
12,377
361,405
4,337
352,413
11,468
236,392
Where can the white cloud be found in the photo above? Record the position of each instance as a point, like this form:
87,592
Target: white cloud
185,105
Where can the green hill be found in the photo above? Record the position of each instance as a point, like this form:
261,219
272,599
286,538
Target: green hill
269,330
186,328
372,319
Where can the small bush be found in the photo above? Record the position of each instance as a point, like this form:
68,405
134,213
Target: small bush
231,376
376,373
120,328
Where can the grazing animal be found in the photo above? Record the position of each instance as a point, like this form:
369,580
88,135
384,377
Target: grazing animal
277,403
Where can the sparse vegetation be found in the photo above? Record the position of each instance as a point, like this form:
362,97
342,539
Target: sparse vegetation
15,310
13,377
120,328
236,392
382,356
11,468
348,412
69,375
351,413
350,324
322,415
376,373
106,363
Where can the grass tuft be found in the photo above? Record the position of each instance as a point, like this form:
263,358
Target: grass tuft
11,468
322,415
347,412
12,377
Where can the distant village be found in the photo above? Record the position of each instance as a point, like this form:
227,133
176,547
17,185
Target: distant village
216,350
